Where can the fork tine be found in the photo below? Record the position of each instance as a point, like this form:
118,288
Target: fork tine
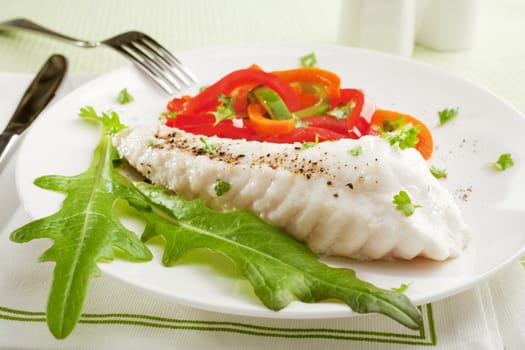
169,58
151,70
158,64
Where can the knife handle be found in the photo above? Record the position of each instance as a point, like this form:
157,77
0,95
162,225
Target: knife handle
38,94
7,142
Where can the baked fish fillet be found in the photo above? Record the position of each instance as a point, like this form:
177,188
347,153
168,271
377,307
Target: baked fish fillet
338,203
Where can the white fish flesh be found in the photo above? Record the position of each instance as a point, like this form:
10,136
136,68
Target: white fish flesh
338,203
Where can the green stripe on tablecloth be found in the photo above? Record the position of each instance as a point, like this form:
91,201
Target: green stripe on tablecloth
426,336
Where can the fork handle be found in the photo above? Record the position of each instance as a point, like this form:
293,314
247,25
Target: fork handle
24,24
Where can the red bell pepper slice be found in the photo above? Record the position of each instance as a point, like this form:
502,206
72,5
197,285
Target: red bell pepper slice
204,124
316,75
308,134
178,104
353,119
207,99
327,122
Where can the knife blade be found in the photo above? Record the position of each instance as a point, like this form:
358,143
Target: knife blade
41,90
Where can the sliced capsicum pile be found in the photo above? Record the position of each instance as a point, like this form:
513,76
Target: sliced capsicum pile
297,105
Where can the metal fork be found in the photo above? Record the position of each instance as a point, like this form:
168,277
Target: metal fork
151,57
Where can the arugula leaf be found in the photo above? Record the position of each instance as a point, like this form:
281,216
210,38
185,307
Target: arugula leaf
438,173
447,114
404,203
124,97
504,161
309,60
279,268
85,230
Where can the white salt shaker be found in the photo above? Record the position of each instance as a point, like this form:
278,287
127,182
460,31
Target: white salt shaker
448,25
396,25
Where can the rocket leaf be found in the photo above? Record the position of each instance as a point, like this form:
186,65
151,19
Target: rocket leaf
279,268
84,230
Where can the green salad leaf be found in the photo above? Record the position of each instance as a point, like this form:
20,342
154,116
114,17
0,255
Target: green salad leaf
279,268
85,229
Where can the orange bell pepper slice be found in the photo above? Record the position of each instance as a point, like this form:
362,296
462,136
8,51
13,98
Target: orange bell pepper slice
266,126
425,146
329,79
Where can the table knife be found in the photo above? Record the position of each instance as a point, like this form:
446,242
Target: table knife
35,99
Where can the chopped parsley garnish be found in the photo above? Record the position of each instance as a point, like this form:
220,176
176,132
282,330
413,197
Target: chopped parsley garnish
154,142
124,97
309,60
225,110
447,114
299,123
397,131
388,125
504,161
405,138
356,151
402,288
170,115
310,144
209,148
438,173
221,187
342,112
404,203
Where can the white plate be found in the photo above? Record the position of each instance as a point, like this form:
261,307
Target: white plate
492,203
